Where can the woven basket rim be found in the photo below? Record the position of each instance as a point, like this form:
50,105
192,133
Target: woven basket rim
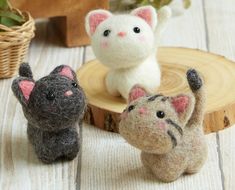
14,43
27,16
12,36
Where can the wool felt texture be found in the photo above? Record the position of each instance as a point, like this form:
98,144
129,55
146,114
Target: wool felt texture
168,130
52,105
127,44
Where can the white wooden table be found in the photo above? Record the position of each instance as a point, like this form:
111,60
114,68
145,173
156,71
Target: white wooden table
106,160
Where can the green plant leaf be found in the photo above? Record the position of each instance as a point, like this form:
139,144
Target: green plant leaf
165,2
156,4
138,1
144,2
7,16
186,3
12,16
3,4
8,22
160,3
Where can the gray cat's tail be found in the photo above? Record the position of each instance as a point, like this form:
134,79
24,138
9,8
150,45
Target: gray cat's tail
25,70
197,86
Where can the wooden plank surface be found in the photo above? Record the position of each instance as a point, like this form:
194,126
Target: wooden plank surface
107,162
187,30
220,16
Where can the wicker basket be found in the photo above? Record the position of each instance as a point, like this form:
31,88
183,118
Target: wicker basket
14,43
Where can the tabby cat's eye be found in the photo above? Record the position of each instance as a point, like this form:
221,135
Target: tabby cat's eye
160,114
131,108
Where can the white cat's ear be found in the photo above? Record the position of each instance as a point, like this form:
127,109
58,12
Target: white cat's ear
148,13
94,18
184,106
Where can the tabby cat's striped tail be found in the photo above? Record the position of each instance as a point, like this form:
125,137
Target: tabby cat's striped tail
197,86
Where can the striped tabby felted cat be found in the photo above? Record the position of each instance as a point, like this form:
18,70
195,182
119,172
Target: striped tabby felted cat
168,130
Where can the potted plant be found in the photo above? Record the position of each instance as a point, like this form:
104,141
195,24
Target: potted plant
177,6
16,31
160,3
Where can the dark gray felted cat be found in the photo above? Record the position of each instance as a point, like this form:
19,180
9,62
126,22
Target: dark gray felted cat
52,106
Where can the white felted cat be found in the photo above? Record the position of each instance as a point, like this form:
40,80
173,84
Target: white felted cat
127,44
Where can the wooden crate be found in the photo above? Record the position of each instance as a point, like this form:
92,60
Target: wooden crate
68,16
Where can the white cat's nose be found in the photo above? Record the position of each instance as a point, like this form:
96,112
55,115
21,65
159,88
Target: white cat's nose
121,34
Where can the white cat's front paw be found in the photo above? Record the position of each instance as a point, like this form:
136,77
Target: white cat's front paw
110,87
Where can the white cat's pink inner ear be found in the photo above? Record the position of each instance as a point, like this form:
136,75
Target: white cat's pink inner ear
26,88
96,18
180,103
136,92
66,71
145,13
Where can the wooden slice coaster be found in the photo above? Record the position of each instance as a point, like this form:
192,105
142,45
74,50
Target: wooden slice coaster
218,73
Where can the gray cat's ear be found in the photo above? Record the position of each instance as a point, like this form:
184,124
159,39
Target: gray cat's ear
65,70
22,88
184,106
25,70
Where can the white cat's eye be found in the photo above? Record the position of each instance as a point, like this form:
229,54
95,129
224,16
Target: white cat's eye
136,29
106,33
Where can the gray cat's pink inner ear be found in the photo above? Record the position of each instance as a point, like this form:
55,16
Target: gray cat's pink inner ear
66,71
26,88
136,92
180,103
96,18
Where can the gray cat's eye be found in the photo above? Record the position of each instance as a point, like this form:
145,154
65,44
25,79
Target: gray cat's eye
50,95
75,84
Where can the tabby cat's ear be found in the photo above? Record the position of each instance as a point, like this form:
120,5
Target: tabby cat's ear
184,106
136,92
